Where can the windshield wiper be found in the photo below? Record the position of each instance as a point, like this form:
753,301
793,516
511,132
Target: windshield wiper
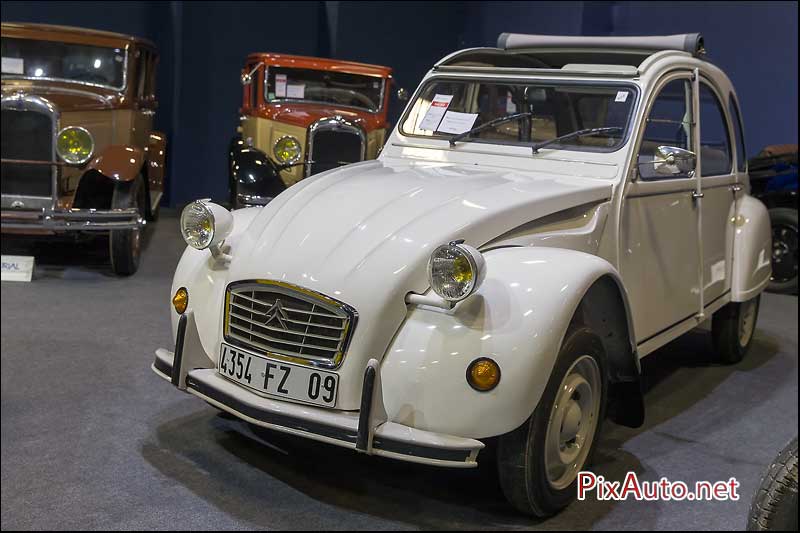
501,120
579,133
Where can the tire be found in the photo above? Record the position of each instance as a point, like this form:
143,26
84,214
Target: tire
125,244
524,454
784,250
732,330
774,506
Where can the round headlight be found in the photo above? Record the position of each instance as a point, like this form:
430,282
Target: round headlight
287,150
74,145
455,270
197,225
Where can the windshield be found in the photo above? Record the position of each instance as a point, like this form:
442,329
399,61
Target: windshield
321,86
52,60
444,108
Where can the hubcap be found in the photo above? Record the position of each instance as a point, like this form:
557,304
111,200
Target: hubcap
573,422
747,322
784,253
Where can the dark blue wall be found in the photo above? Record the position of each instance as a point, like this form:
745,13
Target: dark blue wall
203,45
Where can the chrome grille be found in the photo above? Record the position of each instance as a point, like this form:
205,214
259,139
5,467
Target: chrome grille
281,319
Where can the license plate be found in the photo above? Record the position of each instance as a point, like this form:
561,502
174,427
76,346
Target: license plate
278,378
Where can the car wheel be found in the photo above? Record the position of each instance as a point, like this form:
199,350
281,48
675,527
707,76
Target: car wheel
538,463
125,244
732,329
784,250
774,506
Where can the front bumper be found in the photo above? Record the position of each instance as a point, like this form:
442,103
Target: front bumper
366,430
60,220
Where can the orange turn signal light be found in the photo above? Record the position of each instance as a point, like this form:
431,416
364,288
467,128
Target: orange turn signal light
181,300
483,374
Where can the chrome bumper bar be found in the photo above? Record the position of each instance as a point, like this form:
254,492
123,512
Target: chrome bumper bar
365,431
71,219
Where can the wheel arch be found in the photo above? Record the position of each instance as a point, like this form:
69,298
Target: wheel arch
605,309
518,317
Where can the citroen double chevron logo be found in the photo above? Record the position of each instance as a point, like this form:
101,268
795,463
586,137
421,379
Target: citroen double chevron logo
277,314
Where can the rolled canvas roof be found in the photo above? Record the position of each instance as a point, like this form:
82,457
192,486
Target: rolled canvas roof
687,42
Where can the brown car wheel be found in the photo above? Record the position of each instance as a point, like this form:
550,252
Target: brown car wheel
125,244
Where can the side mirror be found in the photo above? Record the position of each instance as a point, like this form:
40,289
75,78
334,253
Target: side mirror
670,161
402,94
247,77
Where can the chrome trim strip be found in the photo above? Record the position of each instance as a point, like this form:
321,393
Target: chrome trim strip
72,219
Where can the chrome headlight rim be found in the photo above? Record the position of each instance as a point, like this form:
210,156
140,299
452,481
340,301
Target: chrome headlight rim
476,264
91,145
291,160
207,212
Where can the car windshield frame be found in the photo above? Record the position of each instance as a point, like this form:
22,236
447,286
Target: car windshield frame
284,100
634,88
124,50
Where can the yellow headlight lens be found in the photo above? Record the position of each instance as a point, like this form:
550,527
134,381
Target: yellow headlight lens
287,150
181,300
452,273
74,145
483,374
197,225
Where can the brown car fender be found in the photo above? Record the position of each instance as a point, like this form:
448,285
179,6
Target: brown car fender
118,162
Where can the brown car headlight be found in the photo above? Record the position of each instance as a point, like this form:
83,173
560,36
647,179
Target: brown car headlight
74,145
287,150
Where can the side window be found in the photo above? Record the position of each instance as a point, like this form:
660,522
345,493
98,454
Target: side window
669,124
736,118
141,74
715,142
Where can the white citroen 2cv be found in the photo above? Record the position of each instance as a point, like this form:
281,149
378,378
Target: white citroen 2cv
545,214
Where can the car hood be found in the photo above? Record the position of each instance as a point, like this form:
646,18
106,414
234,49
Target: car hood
362,234
377,220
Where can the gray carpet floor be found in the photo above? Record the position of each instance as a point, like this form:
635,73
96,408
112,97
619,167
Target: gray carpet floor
92,439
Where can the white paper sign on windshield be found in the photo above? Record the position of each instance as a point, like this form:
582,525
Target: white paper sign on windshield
13,65
436,111
280,85
296,91
455,122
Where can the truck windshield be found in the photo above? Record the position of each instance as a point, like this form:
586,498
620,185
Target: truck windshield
444,108
50,60
321,86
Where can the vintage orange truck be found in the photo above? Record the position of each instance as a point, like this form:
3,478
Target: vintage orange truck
303,115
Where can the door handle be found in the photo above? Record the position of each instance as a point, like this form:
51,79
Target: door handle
148,112
736,188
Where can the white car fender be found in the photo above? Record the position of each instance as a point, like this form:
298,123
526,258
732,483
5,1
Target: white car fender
205,277
752,249
518,318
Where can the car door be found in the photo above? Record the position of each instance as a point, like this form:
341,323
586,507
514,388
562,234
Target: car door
715,165
659,252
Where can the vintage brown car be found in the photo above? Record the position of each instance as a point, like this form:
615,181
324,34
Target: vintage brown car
78,148
303,115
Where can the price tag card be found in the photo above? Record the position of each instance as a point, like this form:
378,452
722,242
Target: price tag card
17,267
280,85
436,111
455,122
13,65
296,91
